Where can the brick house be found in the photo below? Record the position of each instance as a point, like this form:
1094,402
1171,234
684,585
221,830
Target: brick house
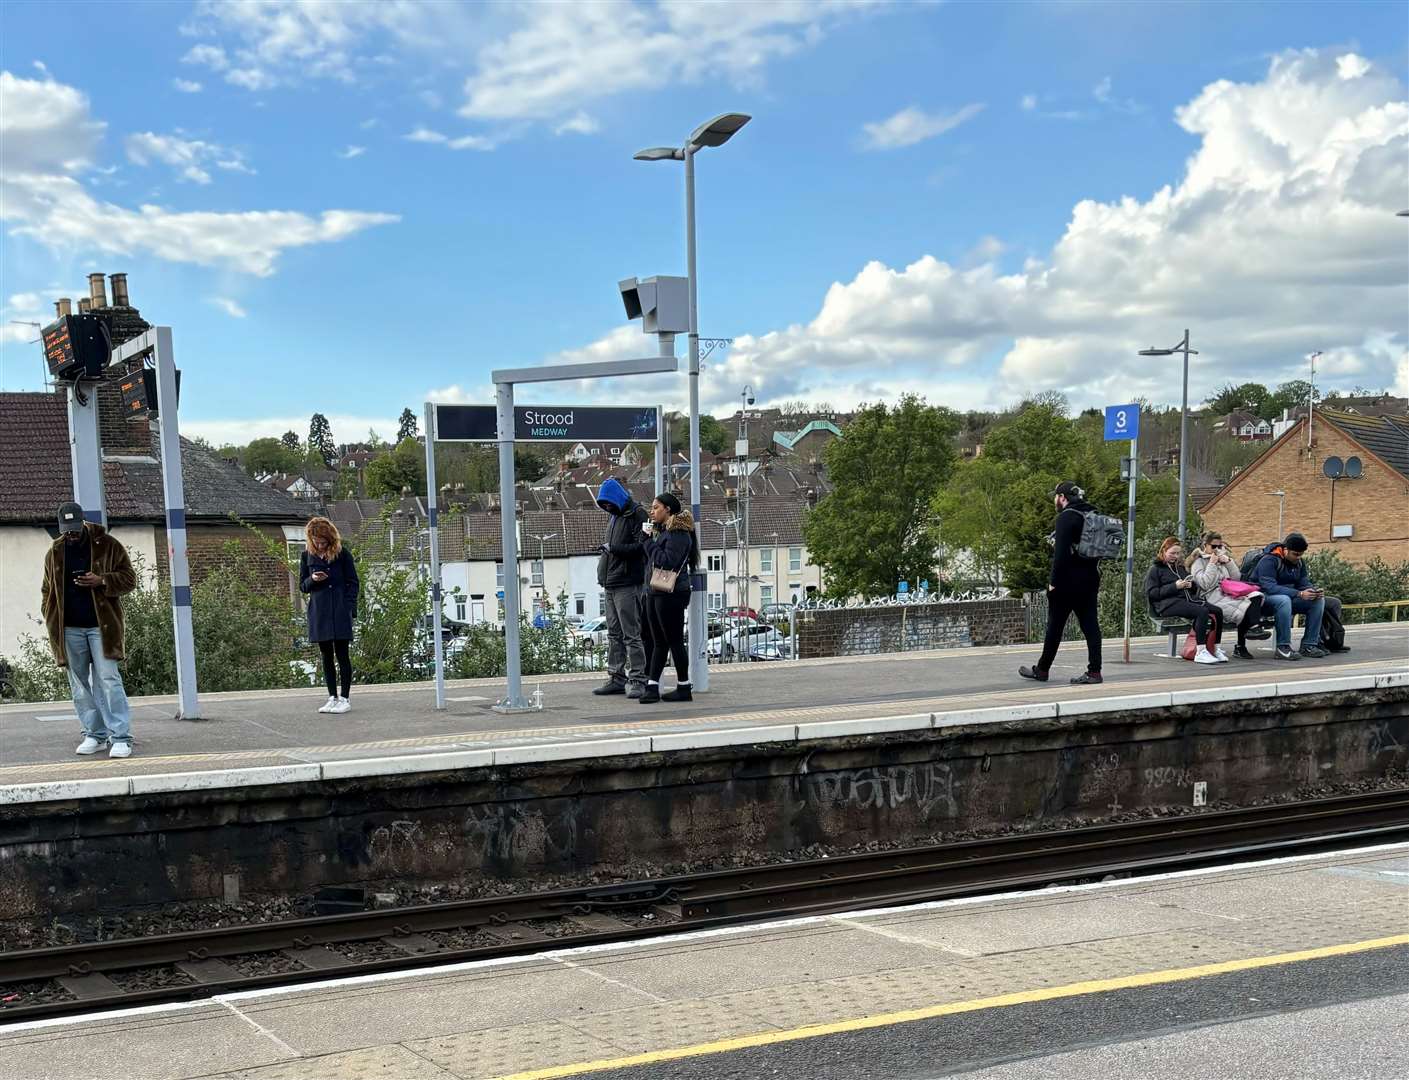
1370,514
36,476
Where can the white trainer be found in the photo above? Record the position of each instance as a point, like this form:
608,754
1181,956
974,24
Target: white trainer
342,705
1220,655
1203,656
121,749
328,705
90,745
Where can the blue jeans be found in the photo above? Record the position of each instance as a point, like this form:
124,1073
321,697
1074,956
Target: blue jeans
96,684
1283,607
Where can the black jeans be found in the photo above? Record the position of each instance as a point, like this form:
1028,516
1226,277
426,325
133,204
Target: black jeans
1204,615
1060,606
1251,618
666,614
344,666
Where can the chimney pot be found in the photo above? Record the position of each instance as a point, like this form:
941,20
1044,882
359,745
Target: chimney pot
84,305
63,306
119,290
97,291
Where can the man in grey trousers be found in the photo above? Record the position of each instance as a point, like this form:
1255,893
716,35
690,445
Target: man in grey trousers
621,570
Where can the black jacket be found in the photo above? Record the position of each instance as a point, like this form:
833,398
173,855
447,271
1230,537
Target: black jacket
1070,572
1161,591
671,550
624,561
332,604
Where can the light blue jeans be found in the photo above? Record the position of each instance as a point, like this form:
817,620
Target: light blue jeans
96,684
1284,607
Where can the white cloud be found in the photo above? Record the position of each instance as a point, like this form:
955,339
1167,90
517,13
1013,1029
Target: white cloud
1279,237
211,56
369,124
352,152
48,141
431,99
346,427
913,125
1102,90
230,307
18,313
463,142
1028,102
188,157
577,124
1102,93
186,86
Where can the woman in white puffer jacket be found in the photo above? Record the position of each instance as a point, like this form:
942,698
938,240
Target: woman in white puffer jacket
1210,567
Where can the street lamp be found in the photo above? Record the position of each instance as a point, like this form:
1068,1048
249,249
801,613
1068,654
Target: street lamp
1281,505
714,132
1402,213
542,566
1183,347
777,592
724,527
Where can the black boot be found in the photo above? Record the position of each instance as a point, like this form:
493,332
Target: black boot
1088,678
680,693
651,696
1032,673
611,686
1241,652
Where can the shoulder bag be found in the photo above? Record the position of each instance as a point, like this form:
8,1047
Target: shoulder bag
663,580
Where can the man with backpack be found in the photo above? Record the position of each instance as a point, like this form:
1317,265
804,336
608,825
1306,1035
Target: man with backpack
1282,577
1081,538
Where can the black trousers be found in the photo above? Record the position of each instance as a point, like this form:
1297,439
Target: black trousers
344,666
666,614
1061,606
1250,619
1205,616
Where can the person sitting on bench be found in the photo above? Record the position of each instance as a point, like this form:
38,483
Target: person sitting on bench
1172,593
1240,603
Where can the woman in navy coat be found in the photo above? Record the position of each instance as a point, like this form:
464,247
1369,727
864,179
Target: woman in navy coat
328,576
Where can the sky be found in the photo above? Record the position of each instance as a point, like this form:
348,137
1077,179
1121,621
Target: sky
355,207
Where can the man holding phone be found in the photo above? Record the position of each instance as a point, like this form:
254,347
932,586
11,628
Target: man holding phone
1282,577
86,572
621,567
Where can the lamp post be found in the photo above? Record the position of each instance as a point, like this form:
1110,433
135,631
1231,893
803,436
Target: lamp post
1183,347
1281,497
714,132
542,566
777,592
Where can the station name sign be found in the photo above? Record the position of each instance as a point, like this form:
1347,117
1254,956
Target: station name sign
549,423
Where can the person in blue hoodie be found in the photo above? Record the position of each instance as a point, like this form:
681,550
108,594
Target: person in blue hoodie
1282,577
620,569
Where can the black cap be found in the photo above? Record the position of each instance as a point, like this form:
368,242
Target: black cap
669,501
70,517
1295,542
1069,489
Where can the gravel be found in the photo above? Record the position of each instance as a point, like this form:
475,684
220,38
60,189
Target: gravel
263,963
150,978
39,992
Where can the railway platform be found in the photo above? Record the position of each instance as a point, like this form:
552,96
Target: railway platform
1277,968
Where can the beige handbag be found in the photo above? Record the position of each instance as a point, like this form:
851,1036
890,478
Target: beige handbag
663,580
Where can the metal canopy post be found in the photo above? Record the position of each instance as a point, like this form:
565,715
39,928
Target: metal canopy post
432,514
86,452
1130,539
504,381
662,448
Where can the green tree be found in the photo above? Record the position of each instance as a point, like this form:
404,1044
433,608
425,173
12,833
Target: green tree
877,526
1292,395
290,441
715,437
269,455
320,439
407,427
1040,436
1249,395
403,467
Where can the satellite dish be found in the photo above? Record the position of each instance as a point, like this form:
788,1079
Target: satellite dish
1333,467
1353,468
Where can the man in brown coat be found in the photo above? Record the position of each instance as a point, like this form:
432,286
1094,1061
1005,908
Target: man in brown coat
85,573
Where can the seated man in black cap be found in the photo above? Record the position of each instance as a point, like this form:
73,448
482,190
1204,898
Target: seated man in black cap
1282,577
1074,588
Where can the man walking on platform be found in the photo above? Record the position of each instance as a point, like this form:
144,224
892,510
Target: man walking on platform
85,573
1074,588
620,572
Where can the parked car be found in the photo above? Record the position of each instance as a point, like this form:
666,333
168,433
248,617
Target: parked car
741,640
593,630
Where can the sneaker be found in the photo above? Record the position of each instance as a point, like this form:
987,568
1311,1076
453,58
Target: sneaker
121,749
1242,653
680,693
611,686
1036,674
1087,678
1220,655
1259,633
1315,652
90,745
1336,648
634,692
341,705
328,705
1203,656
1284,652
650,695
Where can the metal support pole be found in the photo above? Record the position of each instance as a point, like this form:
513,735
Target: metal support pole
432,513
86,452
1184,442
514,700
723,589
1130,539
662,442
699,646
174,495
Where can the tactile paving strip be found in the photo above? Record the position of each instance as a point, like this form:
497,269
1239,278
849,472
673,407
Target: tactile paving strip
497,1051
374,1063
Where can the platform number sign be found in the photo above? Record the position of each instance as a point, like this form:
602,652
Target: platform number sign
1122,422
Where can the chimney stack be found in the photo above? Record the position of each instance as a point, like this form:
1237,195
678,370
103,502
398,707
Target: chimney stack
97,291
119,290
63,307
85,305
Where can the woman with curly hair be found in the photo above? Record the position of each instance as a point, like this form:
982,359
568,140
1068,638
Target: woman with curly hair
328,576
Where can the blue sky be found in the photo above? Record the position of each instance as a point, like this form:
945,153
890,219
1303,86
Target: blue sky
353,206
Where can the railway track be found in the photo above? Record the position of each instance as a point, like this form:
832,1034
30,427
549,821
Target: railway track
38,983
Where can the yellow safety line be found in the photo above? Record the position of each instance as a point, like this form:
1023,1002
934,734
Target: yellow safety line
1023,997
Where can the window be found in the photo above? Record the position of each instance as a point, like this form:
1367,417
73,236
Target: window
498,575
601,604
716,601
579,603
765,594
765,560
716,564
459,609
794,559
538,572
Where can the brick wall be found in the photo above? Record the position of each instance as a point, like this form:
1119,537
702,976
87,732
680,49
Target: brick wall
1377,504
118,433
205,551
908,627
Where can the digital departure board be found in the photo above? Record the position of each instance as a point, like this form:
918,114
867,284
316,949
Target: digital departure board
76,347
139,391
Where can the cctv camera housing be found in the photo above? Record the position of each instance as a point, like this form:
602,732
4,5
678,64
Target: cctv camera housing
661,303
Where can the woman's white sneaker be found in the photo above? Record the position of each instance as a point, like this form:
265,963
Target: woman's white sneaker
328,705
89,745
1203,656
341,705
1220,655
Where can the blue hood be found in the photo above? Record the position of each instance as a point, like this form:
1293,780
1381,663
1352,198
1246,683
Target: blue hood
613,497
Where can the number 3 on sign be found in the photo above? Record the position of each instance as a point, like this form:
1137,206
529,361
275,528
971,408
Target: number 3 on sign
1122,422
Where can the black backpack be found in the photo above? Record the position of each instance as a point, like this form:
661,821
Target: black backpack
1102,536
1248,566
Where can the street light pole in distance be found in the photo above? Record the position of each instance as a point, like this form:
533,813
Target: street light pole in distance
1183,347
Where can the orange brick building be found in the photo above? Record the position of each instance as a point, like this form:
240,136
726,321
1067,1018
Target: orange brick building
1370,513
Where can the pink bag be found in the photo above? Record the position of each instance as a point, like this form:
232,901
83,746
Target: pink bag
1237,589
